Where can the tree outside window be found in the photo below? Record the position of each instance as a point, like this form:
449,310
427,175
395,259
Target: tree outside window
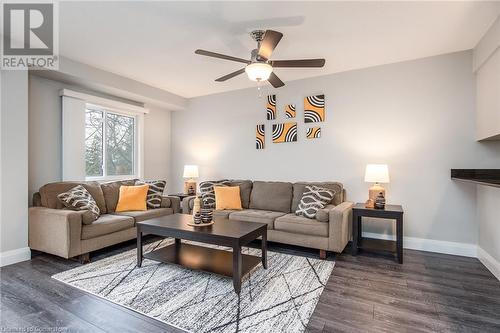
110,144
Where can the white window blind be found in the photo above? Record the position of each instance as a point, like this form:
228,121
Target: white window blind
102,139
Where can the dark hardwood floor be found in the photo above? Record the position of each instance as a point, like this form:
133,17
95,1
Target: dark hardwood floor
430,292
367,293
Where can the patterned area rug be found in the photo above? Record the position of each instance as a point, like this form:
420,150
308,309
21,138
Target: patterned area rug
279,299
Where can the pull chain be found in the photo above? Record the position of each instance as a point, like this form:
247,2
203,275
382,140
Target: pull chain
259,88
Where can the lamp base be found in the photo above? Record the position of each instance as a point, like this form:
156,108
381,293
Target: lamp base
190,187
372,195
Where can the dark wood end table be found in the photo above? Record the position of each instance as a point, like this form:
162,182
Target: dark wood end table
182,195
394,212
223,232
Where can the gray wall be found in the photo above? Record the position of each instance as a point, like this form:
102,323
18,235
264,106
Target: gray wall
45,135
14,163
488,217
157,144
416,116
45,153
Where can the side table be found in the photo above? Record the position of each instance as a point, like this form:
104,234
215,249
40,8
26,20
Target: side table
181,195
393,212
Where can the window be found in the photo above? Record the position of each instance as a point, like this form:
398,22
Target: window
110,144
93,143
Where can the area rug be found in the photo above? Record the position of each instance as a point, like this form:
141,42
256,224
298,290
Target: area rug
281,298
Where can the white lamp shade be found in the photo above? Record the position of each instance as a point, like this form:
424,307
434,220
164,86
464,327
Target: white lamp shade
190,171
258,71
377,173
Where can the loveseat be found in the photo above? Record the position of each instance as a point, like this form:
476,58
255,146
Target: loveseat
59,231
275,203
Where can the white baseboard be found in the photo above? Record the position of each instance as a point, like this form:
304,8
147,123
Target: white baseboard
491,263
14,256
431,245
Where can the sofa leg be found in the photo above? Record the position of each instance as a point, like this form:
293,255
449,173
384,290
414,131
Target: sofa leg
322,254
84,258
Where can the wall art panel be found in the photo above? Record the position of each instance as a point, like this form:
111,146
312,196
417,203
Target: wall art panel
286,132
271,107
290,111
260,136
313,133
314,109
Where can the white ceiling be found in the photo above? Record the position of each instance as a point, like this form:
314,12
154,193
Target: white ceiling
154,42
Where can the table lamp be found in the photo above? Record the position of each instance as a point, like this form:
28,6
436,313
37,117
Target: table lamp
190,173
376,173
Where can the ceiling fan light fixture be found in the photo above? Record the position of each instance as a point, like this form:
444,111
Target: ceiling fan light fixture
259,71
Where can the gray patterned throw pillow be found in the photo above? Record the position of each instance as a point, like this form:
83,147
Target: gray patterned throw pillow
208,193
155,192
78,198
313,199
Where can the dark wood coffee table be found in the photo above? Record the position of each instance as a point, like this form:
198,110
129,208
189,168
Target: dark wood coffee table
223,232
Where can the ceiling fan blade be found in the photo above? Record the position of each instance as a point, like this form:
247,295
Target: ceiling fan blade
220,56
231,75
268,44
298,63
275,81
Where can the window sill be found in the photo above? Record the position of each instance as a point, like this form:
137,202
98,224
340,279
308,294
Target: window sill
111,178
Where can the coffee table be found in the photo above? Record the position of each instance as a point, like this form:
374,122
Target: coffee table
223,232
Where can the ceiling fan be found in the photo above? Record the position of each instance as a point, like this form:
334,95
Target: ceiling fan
260,67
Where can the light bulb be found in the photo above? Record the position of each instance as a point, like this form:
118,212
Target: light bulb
259,71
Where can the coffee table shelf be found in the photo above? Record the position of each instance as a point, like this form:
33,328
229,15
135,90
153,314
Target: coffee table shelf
224,232
203,258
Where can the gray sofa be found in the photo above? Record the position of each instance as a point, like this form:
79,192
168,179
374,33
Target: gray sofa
59,231
274,203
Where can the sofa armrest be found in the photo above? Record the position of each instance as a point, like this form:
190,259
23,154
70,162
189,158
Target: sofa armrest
187,204
339,231
171,201
55,231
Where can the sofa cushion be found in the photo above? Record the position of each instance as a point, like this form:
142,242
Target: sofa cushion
111,192
78,198
313,199
166,202
323,215
49,193
37,200
224,213
146,214
298,190
107,224
275,196
301,225
155,192
256,215
245,191
88,217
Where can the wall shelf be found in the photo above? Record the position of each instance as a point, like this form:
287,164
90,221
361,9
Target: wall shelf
489,177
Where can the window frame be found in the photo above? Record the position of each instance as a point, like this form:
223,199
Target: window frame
138,143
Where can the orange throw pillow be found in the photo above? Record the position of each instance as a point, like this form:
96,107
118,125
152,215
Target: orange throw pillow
227,197
132,198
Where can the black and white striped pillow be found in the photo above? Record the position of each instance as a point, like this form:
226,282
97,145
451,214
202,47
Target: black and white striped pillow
313,199
78,198
208,193
155,192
